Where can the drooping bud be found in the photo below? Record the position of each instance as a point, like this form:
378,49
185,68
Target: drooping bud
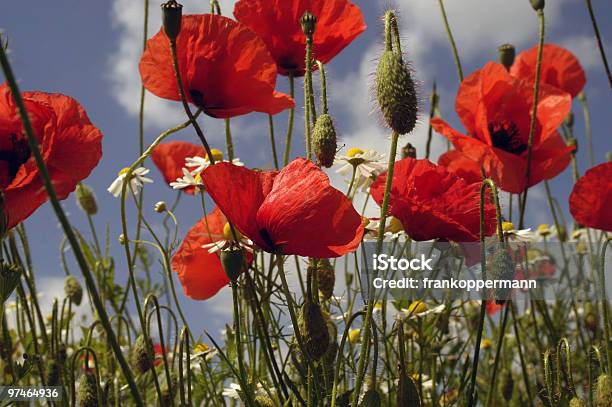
141,355
506,54
603,392
326,276
172,14
160,207
86,199
409,151
501,268
507,385
308,23
396,93
87,393
324,140
537,4
232,260
9,279
73,290
313,328
407,392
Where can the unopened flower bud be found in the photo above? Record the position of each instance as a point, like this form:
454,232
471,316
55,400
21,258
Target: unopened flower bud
537,4
160,207
172,14
502,268
507,385
86,199
371,398
396,93
407,392
308,22
122,239
506,53
409,151
73,290
141,355
232,260
313,328
326,276
324,140
87,392
9,279
53,373
603,392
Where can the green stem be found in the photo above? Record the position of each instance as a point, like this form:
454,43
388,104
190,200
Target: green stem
273,140
604,302
432,113
587,126
246,388
228,140
451,39
308,95
291,120
599,42
534,114
82,262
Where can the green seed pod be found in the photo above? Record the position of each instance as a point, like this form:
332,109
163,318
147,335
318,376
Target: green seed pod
326,277
141,355
53,372
506,53
603,392
324,140
232,260
86,199
371,398
73,290
576,402
87,394
10,274
308,23
172,15
313,328
263,401
407,392
537,4
501,268
409,151
396,94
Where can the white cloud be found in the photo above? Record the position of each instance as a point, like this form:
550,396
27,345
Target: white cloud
585,49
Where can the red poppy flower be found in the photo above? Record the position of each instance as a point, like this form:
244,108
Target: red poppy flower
458,163
226,69
294,211
277,22
493,307
170,157
433,203
496,109
591,197
159,352
70,145
200,272
560,68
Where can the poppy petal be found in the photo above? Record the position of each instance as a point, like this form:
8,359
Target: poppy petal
590,199
170,157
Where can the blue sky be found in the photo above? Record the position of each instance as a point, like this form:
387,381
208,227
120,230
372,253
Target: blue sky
90,50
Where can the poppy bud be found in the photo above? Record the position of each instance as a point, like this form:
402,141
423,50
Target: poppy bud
324,140
576,402
396,94
507,52
507,386
87,393
141,355
86,199
409,151
160,207
326,277
52,373
232,260
73,290
603,392
172,14
407,392
569,120
371,398
308,22
263,401
9,279
501,268
537,4
314,330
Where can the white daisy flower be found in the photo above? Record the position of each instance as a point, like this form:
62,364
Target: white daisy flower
233,391
136,181
513,235
199,164
367,164
188,180
228,240
393,229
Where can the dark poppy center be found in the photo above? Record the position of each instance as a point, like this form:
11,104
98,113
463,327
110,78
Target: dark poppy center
265,235
506,136
14,154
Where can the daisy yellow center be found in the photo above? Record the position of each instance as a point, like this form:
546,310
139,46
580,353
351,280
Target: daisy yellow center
365,221
217,154
123,171
201,348
354,335
352,152
486,344
507,226
417,307
395,226
544,229
378,305
198,178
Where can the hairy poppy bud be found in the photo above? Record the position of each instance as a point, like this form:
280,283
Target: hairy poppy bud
396,94
141,355
314,330
371,398
407,392
232,260
326,276
263,401
502,268
537,4
409,151
308,22
576,402
9,279
603,392
324,140
73,290
507,386
160,207
506,53
52,373
172,14
86,199
87,393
